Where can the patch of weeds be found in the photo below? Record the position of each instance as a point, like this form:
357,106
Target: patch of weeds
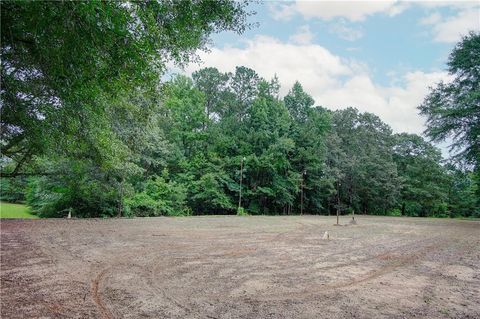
394,212
242,212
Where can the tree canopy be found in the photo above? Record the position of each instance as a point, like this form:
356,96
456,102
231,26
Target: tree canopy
453,108
90,126
69,67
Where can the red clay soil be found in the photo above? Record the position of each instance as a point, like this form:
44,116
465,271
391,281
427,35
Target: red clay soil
240,267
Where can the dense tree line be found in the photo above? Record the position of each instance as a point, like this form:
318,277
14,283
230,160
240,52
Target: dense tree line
87,127
296,157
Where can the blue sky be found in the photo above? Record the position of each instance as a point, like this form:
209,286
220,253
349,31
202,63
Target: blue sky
388,42
378,56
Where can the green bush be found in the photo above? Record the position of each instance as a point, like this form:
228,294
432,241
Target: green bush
441,211
413,209
208,194
394,212
159,198
43,199
53,197
242,212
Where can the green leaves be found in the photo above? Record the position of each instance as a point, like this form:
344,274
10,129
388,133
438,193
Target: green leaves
208,193
360,171
80,85
66,64
453,108
158,198
84,113
424,181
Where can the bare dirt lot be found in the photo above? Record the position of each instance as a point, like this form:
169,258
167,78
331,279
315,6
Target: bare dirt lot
240,267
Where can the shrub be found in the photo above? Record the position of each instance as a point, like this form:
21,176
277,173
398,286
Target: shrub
394,212
159,198
242,212
52,197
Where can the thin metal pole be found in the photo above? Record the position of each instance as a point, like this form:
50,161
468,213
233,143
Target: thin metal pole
241,176
338,200
301,193
301,200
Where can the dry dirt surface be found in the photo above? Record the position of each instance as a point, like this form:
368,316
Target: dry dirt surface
240,267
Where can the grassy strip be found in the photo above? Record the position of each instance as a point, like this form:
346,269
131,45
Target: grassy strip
9,210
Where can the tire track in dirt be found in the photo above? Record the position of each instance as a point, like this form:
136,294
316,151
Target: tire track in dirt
160,292
227,273
348,251
438,273
153,269
151,278
304,226
378,256
365,247
284,233
96,295
398,262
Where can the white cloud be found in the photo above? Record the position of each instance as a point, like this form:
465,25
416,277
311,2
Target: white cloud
355,10
396,105
451,29
403,100
334,82
459,4
431,19
398,8
342,30
314,65
328,10
281,11
447,29
303,35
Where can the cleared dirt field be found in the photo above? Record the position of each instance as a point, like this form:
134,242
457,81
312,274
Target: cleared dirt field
240,267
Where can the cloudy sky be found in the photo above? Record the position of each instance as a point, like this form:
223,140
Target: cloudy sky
378,56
